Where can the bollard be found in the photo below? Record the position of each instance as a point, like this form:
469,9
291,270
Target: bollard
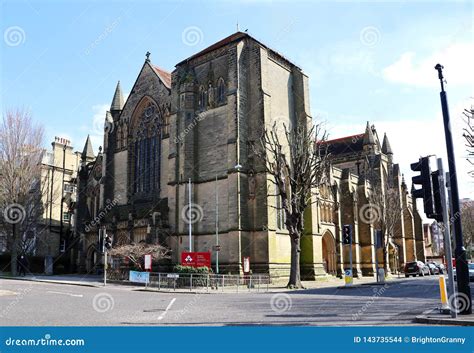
443,293
381,276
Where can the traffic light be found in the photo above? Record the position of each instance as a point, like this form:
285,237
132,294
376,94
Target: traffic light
425,180
108,242
438,207
101,239
347,234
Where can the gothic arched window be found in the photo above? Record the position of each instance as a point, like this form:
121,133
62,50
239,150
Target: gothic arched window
146,148
202,98
220,91
119,137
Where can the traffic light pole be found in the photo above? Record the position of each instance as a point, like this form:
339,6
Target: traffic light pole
105,267
462,271
447,237
350,255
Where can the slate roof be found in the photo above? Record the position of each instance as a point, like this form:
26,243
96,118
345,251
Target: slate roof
164,76
343,145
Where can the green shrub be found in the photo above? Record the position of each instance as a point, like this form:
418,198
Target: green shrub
189,269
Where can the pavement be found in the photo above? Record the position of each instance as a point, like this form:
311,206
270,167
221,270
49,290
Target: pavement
277,286
434,317
78,280
40,303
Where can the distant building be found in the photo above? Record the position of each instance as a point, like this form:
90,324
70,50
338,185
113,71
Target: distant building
434,240
50,235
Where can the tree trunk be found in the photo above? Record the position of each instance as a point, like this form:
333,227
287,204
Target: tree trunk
295,276
385,262
14,252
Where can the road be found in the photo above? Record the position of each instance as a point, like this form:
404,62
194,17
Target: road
34,303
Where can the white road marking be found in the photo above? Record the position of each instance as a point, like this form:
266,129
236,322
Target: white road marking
167,308
70,294
6,292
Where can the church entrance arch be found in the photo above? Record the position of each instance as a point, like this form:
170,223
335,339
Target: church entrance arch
329,253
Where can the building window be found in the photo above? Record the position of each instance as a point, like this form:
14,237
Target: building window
119,137
220,91
202,98
66,217
69,188
280,213
62,245
166,125
147,149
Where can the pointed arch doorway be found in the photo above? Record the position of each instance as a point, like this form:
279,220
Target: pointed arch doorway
329,253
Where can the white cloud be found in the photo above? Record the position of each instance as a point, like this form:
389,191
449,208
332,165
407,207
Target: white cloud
97,129
410,69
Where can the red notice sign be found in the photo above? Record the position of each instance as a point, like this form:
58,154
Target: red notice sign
196,259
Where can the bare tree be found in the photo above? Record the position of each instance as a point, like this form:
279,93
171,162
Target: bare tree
469,136
467,219
386,208
20,178
136,251
297,164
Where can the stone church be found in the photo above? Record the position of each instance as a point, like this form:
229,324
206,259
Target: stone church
186,135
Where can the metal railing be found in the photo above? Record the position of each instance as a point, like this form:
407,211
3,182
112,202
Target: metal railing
202,282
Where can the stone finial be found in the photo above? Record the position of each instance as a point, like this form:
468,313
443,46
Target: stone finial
386,148
369,138
88,152
117,101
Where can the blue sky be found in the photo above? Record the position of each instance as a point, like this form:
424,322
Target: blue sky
366,60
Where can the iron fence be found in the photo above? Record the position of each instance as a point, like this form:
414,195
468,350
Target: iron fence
201,282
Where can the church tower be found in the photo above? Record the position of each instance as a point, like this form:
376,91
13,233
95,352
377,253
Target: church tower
113,129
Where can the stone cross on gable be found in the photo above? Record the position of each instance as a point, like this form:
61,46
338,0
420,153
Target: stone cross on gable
147,56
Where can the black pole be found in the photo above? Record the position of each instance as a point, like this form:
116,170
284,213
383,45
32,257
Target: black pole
462,271
62,197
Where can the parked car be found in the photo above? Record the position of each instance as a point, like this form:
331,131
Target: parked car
416,268
441,267
434,270
471,272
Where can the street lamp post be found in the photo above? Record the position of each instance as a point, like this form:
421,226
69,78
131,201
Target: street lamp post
217,227
61,237
462,271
